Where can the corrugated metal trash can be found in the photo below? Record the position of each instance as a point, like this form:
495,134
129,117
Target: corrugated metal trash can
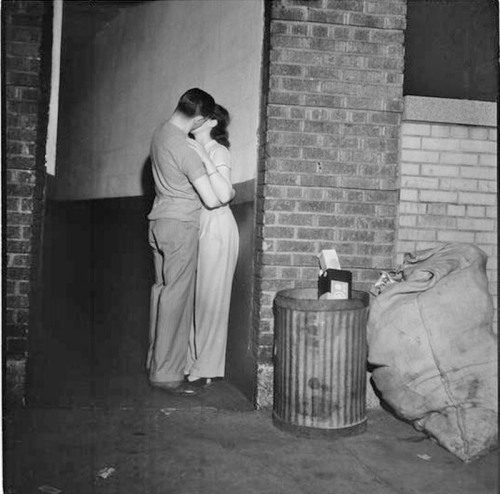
320,363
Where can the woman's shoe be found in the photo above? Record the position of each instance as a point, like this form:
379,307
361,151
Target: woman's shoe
181,389
203,382
200,382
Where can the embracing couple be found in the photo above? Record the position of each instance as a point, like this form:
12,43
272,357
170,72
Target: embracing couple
195,241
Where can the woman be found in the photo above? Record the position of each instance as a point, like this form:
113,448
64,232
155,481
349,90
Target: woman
217,256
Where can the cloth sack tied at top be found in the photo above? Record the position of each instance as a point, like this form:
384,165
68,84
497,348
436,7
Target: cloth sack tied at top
433,349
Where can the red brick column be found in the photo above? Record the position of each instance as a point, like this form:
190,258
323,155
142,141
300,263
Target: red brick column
27,45
330,173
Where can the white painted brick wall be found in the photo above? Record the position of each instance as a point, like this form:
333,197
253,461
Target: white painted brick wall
449,190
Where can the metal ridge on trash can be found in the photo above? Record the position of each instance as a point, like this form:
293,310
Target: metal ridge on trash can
320,363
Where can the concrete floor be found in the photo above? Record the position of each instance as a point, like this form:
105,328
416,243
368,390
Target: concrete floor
217,444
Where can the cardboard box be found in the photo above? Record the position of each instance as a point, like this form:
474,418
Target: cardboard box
335,284
328,259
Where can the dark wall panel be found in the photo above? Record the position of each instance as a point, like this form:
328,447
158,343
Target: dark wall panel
240,360
62,346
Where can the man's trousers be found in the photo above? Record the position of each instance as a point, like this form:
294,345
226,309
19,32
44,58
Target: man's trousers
175,249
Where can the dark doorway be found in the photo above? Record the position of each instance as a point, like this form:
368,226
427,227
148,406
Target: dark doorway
97,273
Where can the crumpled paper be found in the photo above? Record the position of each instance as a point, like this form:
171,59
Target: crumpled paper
386,278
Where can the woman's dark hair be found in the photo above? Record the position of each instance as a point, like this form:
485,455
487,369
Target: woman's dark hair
219,133
195,102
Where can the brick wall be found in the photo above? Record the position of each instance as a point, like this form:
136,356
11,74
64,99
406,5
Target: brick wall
449,189
330,173
25,120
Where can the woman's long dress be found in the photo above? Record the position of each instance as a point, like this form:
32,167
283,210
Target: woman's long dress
217,257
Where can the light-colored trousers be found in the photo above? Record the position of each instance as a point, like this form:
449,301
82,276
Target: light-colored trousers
175,249
217,256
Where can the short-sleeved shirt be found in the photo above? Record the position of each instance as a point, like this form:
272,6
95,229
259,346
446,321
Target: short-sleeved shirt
175,167
218,153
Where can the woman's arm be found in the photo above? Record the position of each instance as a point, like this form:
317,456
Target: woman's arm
220,176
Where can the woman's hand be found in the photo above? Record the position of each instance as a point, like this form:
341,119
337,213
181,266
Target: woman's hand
199,149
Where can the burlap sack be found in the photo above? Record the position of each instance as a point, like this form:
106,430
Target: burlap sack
431,342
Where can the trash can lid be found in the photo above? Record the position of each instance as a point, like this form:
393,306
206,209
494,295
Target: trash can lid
307,299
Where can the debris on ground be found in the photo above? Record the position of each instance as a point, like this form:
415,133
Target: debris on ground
106,472
425,457
48,489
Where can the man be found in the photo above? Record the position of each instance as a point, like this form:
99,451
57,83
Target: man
180,181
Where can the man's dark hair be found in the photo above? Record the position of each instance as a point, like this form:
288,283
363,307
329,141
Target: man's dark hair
195,102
